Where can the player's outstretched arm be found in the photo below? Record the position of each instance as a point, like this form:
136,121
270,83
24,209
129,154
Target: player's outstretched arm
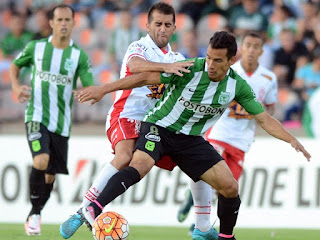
22,91
138,65
96,93
276,129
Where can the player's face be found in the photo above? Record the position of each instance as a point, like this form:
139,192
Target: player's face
62,23
251,49
218,63
161,28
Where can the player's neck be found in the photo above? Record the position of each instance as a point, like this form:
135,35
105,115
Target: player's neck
249,67
60,43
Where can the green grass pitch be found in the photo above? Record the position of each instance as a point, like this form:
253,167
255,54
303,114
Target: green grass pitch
16,232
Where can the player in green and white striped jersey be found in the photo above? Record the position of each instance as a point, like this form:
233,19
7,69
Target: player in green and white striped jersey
56,64
189,106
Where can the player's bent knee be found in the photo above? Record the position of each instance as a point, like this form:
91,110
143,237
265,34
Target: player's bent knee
122,160
230,190
142,162
41,161
50,178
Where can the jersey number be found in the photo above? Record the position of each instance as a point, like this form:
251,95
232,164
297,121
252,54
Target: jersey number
33,127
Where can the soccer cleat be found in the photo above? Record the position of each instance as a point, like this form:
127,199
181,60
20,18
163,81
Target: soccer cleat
212,234
33,225
88,213
185,207
70,226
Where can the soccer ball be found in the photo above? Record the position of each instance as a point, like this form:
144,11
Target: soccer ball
110,226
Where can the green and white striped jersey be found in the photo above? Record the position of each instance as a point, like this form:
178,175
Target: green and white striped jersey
193,103
54,76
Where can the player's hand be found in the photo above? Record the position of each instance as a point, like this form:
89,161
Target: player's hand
22,92
179,68
299,148
92,93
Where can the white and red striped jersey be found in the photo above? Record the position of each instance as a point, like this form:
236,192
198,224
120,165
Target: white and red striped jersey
236,126
134,103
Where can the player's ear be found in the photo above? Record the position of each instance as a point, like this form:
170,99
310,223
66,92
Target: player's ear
51,23
148,27
232,60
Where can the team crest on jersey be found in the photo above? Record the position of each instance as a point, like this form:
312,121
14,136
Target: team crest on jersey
68,65
224,98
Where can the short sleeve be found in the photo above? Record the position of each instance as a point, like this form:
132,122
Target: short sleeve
247,99
167,77
272,94
25,57
84,70
136,49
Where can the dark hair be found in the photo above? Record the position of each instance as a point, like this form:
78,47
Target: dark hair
252,34
162,7
286,10
226,40
51,14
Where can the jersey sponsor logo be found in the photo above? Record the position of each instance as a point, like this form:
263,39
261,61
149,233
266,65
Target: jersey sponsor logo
34,136
139,46
152,137
54,78
156,91
199,108
224,98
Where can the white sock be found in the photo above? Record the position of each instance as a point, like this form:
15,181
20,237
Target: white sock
202,197
99,183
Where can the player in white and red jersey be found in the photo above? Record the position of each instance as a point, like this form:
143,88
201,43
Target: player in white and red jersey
151,53
235,131
233,134
131,105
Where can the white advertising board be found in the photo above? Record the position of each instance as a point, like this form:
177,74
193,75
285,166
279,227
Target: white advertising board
279,188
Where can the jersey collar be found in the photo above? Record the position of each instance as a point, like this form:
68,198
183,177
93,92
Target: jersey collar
50,39
244,72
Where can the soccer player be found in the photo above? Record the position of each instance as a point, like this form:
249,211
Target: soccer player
57,63
234,133
311,115
190,105
150,53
